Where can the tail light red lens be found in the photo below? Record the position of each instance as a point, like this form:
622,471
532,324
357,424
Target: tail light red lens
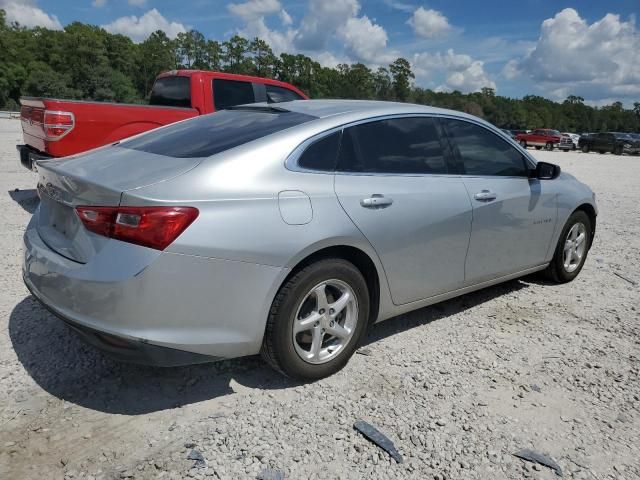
153,227
57,124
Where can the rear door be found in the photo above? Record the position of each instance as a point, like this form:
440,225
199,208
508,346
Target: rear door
393,180
513,215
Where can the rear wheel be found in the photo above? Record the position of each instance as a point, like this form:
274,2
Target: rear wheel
317,320
571,250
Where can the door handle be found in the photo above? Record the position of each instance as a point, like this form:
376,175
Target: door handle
485,196
376,200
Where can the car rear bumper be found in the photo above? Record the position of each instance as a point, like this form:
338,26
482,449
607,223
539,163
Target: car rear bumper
28,155
153,307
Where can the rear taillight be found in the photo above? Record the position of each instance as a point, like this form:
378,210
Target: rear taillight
153,227
57,124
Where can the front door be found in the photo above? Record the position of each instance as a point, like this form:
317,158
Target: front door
513,216
394,182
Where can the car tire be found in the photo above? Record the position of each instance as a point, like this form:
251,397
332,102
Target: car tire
585,149
548,146
563,269
523,143
298,301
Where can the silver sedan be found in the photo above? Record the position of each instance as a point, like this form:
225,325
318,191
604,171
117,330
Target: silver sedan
287,229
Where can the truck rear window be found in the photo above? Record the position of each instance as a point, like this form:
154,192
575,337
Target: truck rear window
171,92
211,134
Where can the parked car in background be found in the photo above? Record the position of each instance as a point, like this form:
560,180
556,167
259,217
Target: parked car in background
614,142
57,128
364,211
509,132
539,138
569,141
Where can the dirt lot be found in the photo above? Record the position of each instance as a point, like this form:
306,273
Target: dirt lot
458,387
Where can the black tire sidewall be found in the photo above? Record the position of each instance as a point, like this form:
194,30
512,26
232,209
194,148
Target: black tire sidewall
286,356
558,259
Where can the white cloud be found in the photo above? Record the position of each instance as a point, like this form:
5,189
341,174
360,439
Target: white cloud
254,9
139,28
137,3
429,23
98,3
329,60
279,41
461,71
365,40
285,18
323,19
596,61
27,14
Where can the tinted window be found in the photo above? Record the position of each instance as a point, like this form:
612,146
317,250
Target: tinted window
483,152
322,154
402,145
171,92
278,94
210,134
228,93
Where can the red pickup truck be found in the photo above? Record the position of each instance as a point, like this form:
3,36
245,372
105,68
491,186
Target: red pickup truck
57,128
540,137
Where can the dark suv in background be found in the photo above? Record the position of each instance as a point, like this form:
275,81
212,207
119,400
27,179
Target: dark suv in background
615,142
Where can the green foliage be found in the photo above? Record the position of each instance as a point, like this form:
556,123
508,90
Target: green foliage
86,62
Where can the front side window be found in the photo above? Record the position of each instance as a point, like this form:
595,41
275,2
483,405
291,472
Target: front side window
208,135
482,152
396,146
171,92
277,94
321,154
229,93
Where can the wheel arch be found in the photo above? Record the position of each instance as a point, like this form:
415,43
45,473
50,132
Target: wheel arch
359,258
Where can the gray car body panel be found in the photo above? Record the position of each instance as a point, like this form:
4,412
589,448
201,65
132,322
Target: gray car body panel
211,290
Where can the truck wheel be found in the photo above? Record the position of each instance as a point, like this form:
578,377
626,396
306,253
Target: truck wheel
617,150
549,146
585,148
523,143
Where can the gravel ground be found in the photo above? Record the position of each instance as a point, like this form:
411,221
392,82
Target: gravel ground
458,387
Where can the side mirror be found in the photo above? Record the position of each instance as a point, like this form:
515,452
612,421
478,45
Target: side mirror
546,171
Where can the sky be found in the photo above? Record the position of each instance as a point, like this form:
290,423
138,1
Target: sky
551,48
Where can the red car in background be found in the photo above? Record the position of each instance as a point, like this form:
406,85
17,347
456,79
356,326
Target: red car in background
58,128
540,138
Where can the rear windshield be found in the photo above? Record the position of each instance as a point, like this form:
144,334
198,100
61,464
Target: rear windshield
171,92
211,134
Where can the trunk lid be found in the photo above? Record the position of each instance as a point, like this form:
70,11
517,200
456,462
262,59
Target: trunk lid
98,178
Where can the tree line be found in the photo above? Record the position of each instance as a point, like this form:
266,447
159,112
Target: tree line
87,62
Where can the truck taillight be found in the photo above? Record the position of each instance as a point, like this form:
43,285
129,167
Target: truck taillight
153,227
57,124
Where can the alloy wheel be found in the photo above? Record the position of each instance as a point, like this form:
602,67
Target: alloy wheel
325,321
575,246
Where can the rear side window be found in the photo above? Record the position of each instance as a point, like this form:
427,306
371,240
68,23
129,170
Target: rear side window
277,94
321,154
229,93
171,92
483,152
401,145
211,134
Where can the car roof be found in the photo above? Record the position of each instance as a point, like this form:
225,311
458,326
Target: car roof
366,108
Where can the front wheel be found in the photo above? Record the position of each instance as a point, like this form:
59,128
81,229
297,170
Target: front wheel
549,146
571,250
317,320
